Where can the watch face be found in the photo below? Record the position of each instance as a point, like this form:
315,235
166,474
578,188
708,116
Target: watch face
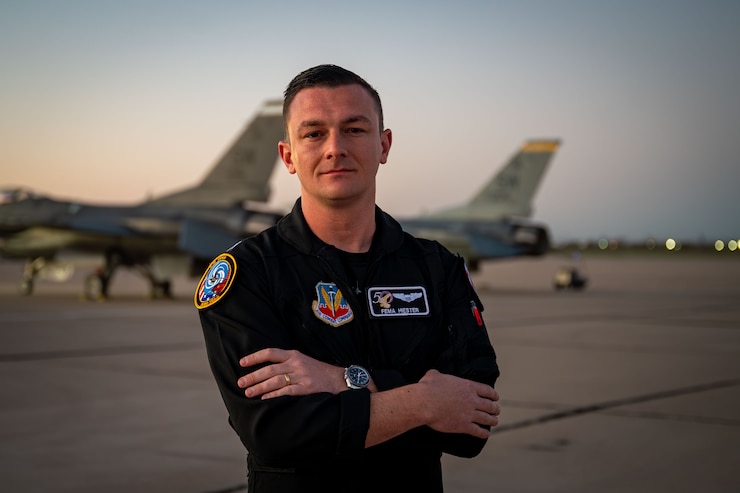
358,376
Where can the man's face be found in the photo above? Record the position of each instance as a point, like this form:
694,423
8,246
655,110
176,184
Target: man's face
335,145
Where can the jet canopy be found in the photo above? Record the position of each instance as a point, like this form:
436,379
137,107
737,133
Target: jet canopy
14,195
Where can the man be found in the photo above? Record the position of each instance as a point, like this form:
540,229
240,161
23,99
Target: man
349,354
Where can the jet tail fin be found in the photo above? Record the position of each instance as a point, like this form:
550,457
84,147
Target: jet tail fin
244,170
510,192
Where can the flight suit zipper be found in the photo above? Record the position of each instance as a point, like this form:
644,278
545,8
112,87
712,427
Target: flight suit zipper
365,335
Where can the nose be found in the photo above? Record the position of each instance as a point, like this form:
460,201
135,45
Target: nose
335,145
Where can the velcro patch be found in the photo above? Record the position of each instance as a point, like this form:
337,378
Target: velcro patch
216,281
331,306
401,301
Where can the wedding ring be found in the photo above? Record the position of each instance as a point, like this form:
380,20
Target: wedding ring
287,379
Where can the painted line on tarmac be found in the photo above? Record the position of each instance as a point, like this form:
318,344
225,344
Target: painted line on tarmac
111,351
67,315
604,406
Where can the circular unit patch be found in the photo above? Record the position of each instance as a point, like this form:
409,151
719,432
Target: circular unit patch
216,281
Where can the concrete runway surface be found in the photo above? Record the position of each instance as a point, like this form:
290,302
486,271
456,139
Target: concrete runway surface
630,385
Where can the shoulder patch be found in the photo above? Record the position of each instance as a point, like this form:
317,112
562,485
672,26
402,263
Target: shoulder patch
470,278
216,281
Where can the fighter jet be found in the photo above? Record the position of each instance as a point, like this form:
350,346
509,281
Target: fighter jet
495,223
160,238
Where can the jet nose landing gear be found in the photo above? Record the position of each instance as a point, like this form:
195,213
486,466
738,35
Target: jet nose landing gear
569,278
96,286
160,289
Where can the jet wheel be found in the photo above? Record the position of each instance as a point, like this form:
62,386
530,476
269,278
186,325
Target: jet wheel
161,289
26,287
95,288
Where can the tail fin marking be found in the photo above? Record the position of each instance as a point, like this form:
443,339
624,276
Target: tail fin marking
510,192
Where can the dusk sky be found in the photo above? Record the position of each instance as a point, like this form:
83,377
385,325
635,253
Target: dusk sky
112,102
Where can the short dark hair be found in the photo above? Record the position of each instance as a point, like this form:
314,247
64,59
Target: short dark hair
327,76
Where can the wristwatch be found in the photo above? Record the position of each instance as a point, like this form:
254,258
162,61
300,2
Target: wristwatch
356,377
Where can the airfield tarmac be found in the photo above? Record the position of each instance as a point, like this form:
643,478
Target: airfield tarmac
630,385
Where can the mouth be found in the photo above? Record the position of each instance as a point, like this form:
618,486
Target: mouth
339,171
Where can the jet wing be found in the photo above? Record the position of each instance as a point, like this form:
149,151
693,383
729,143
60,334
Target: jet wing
205,240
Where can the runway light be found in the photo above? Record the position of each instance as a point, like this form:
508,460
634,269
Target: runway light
670,244
732,245
603,243
719,245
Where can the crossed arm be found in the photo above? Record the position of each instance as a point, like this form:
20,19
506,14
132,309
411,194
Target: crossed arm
445,403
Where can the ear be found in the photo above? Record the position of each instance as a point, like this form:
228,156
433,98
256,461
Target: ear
286,155
385,144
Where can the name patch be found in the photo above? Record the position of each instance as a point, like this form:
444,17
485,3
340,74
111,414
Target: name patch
401,301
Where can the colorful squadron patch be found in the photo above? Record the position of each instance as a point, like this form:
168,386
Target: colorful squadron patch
216,281
331,306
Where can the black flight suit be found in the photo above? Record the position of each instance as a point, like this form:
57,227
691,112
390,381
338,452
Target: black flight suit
290,290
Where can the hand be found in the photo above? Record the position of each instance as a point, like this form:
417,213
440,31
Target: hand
305,375
458,405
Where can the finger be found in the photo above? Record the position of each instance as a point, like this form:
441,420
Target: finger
492,408
253,378
487,392
275,393
271,386
478,431
267,355
489,406
261,375
286,387
494,395
483,418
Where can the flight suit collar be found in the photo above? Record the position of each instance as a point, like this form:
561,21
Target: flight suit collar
294,229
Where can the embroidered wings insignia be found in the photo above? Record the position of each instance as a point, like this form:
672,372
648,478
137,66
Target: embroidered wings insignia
407,297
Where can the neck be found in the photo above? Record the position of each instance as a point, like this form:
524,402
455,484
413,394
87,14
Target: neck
348,228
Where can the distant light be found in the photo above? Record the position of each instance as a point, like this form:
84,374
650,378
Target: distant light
719,245
670,244
732,245
603,243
